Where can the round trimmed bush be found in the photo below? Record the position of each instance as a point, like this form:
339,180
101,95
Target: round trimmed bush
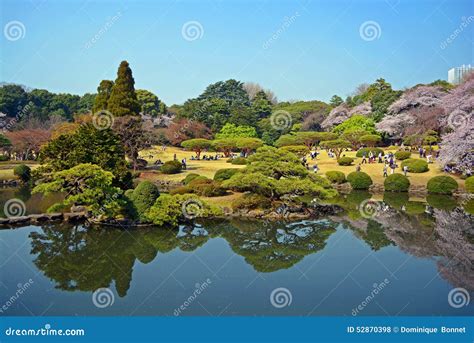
225,174
359,180
402,155
470,184
250,202
396,183
336,176
23,172
442,185
143,197
171,167
237,160
345,161
415,165
190,177
375,151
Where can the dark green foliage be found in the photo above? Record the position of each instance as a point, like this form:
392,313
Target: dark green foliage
345,161
261,106
231,91
336,176
470,184
251,202
4,141
442,185
190,177
103,94
335,101
4,158
142,198
23,172
123,99
171,167
149,103
402,155
359,180
366,151
237,160
12,99
396,183
415,165
442,201
225,174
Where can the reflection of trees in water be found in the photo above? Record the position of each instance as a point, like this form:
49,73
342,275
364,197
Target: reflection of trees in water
35,203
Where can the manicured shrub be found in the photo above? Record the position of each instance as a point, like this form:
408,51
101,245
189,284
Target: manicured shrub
23,172
237,160
225,174
375,151
171,167
396,183
298,150
336,176
442,185
4,158
402,155
190,177
415,165
143,197
212,189
359,180
250,202
345,161
470,184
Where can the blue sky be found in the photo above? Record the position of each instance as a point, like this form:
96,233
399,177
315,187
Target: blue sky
302,50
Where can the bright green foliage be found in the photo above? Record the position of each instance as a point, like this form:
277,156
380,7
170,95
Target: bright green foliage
251,201
190,177
225,145
288,140
337,145
298,150
470,184
103,94
366,151
123,99
232,131
345,161
359,180
415,165
171,167
197,145
442,185
142,198
87,145
402,155
247,145
23,172
356,122
238,161
225,174
301,186
353,136
430,137
172,209
251,182
396,183
370,140
87,185
336,176
149,103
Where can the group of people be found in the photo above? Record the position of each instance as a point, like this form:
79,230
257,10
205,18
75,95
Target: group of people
429,157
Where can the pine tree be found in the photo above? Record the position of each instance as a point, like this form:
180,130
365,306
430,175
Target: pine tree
261,105
103,94
123,99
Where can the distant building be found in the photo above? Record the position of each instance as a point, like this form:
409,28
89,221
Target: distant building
455,75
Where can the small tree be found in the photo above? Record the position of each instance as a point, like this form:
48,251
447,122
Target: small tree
353,136
197,145
370,140
225,145
123,99
248,145
337,145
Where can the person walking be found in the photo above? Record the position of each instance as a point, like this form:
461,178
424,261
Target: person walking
405,170
385,169
358,168
364,158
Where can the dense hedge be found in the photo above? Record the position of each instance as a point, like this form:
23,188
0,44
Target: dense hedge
225,174
359,180
237,160
396,183
442,185
142,198
402,155
470,184
415,165
202,186
375,151
171,167
336,176
345,161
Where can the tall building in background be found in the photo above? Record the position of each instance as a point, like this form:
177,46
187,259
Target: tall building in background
455,75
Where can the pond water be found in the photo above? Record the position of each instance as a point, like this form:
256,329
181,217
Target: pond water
404,258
